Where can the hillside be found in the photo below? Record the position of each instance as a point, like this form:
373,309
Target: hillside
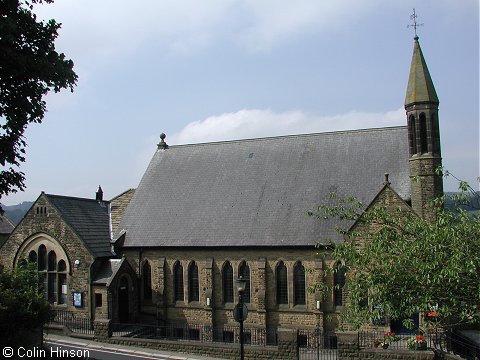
16,212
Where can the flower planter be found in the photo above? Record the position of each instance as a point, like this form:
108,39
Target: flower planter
421,346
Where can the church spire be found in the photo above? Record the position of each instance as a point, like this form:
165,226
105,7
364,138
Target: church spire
420,87
421,105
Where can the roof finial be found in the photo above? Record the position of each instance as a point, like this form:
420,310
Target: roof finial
414,25
162,144
386,182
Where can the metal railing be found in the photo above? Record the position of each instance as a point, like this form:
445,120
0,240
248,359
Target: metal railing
74,322
197,332
315,344
460,345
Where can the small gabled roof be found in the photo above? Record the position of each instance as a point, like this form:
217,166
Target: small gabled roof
88,218
420,87
386,187
255,192
107,272
6,226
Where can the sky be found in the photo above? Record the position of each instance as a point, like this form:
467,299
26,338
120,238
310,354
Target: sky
214,70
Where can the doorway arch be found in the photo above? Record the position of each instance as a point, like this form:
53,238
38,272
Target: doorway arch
123,300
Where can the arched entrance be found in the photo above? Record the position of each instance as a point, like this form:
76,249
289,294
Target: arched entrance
123,301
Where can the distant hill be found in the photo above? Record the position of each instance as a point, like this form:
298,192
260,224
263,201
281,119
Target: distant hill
473,206
16,212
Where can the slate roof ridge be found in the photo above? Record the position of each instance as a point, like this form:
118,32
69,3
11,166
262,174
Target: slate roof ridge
95,247
121,194
326,133
74,198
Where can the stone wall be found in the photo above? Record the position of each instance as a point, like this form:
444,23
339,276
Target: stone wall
398,354
425,184
285,350
440,355
101,310
48,226
263,309
349,349
117,207
102,329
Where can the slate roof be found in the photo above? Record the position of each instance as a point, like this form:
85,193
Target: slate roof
88,218
255,192
420,85
107,272
6,226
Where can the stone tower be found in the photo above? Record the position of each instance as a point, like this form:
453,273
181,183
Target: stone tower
421,105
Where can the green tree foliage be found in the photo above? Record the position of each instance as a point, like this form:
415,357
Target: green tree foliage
22,303
398,264
29,68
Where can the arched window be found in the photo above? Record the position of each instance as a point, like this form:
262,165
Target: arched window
32,256
299,284
244,272
62,282
193,293
42,258
423,134
178,281
52,277
52,261
435,135
227,281
147,281
413,135
282,285
339,283
52,264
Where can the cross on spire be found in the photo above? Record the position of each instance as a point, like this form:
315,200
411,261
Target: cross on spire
413,17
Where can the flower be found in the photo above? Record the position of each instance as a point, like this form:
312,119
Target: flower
389,338
416,342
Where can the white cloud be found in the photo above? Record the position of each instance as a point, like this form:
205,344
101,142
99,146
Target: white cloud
109,27
253,123
275,20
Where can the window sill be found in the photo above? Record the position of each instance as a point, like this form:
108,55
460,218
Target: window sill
58,305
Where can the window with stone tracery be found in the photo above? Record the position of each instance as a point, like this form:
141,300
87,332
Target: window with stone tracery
178,281
299,284
227,282
282,284
52,267
193,288
244,272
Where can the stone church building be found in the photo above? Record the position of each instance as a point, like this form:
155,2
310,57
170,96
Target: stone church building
169,252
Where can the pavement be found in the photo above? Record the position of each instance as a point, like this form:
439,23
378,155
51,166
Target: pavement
130,351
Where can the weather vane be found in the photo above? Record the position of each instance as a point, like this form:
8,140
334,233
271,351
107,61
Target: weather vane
415,24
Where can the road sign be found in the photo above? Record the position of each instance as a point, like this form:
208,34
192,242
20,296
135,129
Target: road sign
237,310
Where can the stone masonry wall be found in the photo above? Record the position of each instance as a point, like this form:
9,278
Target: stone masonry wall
51,224
117,207
263,310
348,349
286,349
426,185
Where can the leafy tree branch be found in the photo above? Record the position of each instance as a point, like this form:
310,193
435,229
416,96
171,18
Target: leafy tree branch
30,67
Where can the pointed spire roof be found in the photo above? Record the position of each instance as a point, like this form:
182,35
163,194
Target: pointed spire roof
420,87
